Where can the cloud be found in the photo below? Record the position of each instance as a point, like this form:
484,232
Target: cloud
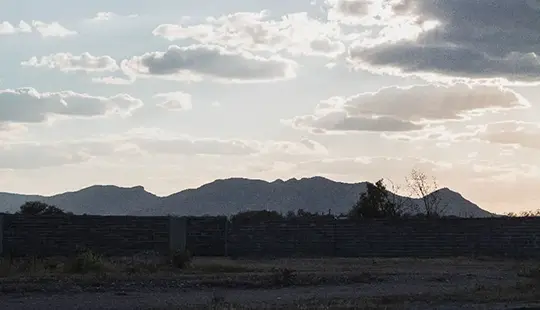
175,101
297,33
161,140
53,29
67,62
27,105
113,80
116,148
138,144
511,133
302,148
191,146
369,168
193,63
23,156
11,131
106,16
397,109
509,136
339,122
7,28
453,38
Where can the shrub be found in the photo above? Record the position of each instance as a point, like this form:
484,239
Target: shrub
181,259
86,261
531,273
283,277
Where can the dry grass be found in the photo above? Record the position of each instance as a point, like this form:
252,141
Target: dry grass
480,297
151,264
493,280
91,263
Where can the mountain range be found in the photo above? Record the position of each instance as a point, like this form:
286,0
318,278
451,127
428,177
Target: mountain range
227,197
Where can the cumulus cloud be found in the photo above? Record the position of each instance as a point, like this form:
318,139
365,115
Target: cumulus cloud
297,33
27,105
106,16
67,62
53,29
396,109
175,101
488,39
113,80
8,28
193,63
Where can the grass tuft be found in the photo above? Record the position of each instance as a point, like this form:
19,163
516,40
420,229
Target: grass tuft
85,262
181,259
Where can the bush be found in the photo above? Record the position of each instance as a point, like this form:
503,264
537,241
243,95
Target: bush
181,259
283,277
86,261
531,273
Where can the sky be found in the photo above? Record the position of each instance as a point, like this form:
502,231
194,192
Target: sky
172,94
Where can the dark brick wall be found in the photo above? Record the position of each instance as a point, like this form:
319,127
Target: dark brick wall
282,238
216,236
206,236
518,238
64,235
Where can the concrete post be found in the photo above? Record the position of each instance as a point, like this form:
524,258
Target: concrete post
177,234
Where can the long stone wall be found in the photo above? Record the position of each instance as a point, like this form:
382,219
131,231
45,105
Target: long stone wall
65,235
501,237
217,236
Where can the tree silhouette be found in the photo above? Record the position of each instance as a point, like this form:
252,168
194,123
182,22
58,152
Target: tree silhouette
40,208
426,189
258,216
375,203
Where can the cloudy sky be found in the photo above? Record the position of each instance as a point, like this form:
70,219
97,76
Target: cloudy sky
173,94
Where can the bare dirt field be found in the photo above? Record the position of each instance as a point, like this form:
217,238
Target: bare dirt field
219,283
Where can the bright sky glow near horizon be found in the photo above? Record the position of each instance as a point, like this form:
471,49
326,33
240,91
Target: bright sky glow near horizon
174,94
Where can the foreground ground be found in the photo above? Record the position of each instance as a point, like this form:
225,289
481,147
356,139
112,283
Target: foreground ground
217,283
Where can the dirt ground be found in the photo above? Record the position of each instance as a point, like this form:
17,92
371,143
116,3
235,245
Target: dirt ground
218,283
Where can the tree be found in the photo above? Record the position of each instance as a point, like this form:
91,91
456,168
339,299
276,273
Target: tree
524,214
256,216
403,202
375,203
40,208
427,190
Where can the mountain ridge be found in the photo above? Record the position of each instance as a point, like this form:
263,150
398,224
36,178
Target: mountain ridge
225,197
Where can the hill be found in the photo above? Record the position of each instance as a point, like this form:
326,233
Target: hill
226,197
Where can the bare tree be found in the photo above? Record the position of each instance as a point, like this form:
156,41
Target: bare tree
404,203
426,189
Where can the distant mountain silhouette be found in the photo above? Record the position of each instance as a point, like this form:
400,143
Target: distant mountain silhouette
226,197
